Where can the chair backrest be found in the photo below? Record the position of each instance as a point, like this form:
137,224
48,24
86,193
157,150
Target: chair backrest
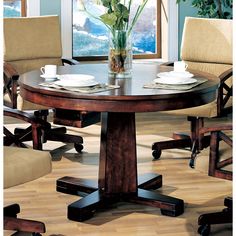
207,44
32,42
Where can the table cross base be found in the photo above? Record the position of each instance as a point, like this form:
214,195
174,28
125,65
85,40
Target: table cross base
84,208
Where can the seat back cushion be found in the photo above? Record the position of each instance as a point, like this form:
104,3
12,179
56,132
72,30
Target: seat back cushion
32,38
30,43
22,165
206,46
207,40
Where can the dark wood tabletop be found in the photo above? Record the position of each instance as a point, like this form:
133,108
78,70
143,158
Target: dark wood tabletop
130,97
118,179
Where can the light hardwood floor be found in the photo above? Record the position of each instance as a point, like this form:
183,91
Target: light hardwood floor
40,201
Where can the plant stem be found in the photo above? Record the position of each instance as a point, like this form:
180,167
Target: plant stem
138,12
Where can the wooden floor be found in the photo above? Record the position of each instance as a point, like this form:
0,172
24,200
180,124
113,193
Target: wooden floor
40,201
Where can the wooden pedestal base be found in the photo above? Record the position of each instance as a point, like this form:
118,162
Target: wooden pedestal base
117,178
84,208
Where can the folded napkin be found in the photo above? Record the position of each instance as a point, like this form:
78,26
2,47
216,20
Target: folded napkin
176,86
90,89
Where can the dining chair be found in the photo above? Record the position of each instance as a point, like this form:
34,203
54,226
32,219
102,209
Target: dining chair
29,44
219,165
207,47
22,165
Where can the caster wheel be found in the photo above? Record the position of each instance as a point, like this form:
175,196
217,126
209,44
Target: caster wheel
191,163
204,230
78,147
156,154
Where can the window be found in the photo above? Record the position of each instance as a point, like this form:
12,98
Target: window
14,8
90,36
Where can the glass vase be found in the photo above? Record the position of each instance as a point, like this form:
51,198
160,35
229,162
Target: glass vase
120,53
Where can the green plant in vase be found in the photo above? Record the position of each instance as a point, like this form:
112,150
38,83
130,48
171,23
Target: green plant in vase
117,19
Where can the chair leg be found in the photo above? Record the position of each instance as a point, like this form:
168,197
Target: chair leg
195,141
11,222
206,220
41,135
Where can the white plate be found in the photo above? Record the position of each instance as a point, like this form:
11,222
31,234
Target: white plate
49,77
78,77
176,81
175,74
76,83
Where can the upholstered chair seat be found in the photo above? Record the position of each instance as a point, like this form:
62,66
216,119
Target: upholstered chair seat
22,165
206,47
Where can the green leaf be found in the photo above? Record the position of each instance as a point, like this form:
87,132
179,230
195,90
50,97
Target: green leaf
106,3
109,19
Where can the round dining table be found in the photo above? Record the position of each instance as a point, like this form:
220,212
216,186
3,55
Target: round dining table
118,179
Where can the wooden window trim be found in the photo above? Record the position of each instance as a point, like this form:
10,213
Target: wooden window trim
141,56
23,8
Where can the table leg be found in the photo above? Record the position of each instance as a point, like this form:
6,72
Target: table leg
118,179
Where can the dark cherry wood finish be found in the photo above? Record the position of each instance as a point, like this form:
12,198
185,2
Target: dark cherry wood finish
216,169
118,178
195,140
44,132
11,222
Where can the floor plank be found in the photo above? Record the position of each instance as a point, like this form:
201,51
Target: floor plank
40,201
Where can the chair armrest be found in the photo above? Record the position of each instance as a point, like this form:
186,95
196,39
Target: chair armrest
10,71
69,61
225,75
216,128
25,116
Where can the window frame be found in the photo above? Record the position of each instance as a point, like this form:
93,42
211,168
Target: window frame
30,8
136,56
169,10
23,11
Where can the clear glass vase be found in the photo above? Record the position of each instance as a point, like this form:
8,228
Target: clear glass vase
120,53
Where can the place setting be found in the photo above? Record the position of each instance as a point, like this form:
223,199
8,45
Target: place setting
178,79
82,83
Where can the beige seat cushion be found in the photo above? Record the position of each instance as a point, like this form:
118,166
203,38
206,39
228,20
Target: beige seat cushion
206,46
22,165
30,43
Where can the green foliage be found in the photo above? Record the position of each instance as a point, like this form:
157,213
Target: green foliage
213,8
117,15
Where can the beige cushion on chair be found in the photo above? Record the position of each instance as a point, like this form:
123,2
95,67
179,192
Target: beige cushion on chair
207,40
206,46
22,165
30,43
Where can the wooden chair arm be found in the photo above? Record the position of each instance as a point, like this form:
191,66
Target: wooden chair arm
69,61
10,71
225,75
24,116
216,128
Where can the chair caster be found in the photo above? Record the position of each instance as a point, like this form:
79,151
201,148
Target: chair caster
78,147
191,163
204,230
156,154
